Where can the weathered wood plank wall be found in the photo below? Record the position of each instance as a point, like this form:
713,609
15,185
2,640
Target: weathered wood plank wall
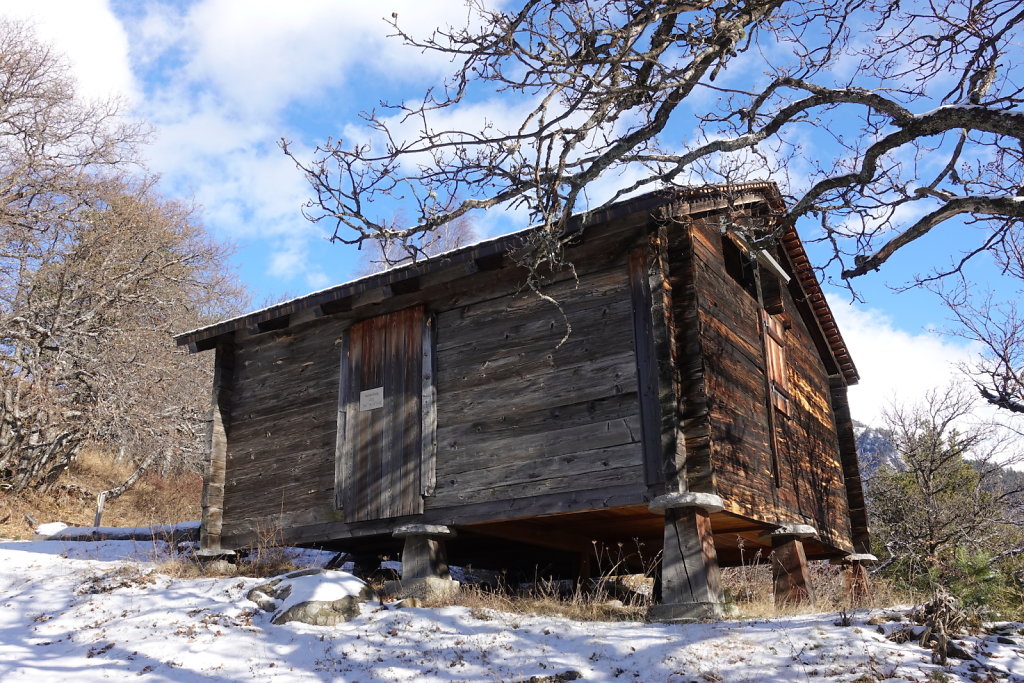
280,457
728,321
811,469
809,486
518,417
216,467
518,414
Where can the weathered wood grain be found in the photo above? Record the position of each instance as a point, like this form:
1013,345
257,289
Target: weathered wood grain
617,494
428,409
341,474
851,471
385,446
805,483
472,452
220,428
693,390
552,472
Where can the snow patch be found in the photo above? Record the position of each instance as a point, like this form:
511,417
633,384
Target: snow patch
326,587
171,629
51,528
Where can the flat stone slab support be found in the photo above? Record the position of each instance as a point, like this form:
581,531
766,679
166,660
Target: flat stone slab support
425,573
690,578
790,574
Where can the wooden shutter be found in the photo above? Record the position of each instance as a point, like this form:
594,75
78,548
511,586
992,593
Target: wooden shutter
775,357
380,417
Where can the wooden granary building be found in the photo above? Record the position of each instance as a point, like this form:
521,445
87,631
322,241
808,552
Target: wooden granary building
697,406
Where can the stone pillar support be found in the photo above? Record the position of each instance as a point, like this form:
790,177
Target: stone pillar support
790,574
424,562
690,577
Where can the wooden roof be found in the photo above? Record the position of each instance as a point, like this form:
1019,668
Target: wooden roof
675,201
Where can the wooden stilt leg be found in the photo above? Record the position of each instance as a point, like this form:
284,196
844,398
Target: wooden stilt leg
585,567
790,572
856,583
690,577
855,578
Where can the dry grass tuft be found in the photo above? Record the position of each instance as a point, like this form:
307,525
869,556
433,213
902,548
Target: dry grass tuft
546,599
748,590
268,557
154,499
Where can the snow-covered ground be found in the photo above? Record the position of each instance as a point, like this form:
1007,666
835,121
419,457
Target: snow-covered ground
83,611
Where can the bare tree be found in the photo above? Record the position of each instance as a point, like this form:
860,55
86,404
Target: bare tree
998,326
86,326
382,254
645,85
95,269
881,120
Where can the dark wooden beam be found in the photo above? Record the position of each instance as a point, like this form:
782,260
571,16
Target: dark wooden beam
690,577
428,411
651,298
406,286
489,262
544,537
204,344
790,574
279,323
694,404
216,466
847,442
489,511
342,305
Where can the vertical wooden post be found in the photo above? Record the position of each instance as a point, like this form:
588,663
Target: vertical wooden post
653,368
428,412
216,466
851,468
341,464
855,577
584,565
855,583
690,577
790,574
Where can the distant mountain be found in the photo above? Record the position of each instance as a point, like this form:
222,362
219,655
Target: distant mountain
874,449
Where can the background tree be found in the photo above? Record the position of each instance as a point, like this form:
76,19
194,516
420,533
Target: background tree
947,510
95,269
881,121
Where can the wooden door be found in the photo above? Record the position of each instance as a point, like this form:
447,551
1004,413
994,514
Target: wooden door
380,417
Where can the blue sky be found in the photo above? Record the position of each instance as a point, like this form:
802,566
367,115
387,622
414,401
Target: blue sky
221,81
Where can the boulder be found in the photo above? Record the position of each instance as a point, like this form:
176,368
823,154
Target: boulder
321,597
429,588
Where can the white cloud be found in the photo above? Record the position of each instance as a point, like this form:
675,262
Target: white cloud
894,365
225,80
261,54
90,36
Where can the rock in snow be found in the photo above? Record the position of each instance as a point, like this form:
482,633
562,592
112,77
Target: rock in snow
321,597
